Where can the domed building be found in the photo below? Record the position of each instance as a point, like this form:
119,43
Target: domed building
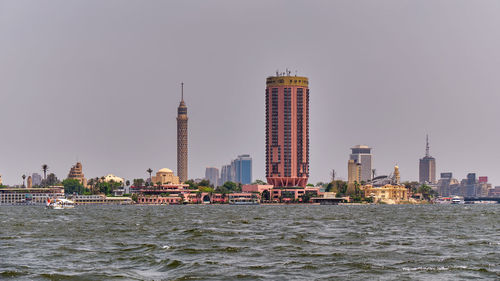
165,176
111,177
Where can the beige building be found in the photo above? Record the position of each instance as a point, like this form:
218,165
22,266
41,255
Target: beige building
388,193
76,172
111,177
1,180
353,171
30,182
165,176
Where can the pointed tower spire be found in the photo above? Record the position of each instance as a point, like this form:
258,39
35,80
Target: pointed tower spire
182,91
427,146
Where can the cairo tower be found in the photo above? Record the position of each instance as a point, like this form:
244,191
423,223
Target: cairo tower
182,139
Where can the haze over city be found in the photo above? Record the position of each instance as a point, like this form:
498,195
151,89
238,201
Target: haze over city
99,82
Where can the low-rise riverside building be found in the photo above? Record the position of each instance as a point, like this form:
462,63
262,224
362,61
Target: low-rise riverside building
165,176
100,199
29,195
388,193
269,193
160,200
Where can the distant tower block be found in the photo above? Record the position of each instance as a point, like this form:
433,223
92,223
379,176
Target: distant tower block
427,167
182,139
30,182
287,130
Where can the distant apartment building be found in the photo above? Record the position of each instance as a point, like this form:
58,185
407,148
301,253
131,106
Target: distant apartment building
361,154
427,167
447,184
468,187
243,169
225,174
212,175
239,171
353,171
1,180
37,179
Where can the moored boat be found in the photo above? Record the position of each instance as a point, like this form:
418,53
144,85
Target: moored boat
457,200
243,201
60,203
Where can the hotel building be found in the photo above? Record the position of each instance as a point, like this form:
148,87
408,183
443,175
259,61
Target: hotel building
361,154
287,130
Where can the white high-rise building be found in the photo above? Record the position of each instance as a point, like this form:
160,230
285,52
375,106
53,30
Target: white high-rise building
362,154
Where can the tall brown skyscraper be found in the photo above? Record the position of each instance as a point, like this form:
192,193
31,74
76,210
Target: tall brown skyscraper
287,130
427,169
182,139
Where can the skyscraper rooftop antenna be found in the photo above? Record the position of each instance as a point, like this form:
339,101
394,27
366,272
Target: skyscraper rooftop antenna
182,91
427,145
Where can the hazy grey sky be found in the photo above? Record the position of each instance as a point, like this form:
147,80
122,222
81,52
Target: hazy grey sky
100,81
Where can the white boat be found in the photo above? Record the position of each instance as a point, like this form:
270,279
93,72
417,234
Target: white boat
60,203
457,200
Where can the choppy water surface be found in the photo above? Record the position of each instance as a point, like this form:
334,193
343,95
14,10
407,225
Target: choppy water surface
298,242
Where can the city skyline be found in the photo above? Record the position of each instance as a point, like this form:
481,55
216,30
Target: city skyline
99,91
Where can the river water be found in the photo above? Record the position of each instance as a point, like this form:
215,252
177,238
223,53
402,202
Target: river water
215,242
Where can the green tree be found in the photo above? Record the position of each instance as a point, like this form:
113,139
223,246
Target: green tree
205,183
310,184
260,182
426,191
134,197
149,171
138,182
206,189
192,184
412,186
73,186
51,180
45,168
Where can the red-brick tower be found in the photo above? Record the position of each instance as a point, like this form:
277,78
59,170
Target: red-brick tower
287,130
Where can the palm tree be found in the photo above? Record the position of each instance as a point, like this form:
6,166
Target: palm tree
149,171
45,168
24,177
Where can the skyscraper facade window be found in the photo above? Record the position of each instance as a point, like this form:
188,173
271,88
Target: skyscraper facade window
287,130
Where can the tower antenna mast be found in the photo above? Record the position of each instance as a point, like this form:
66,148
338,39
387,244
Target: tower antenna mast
182,91
427,145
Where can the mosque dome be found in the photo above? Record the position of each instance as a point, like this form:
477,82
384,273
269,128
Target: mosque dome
165,170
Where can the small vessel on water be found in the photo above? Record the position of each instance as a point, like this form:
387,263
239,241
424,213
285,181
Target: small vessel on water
60,203
243,201
457,200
